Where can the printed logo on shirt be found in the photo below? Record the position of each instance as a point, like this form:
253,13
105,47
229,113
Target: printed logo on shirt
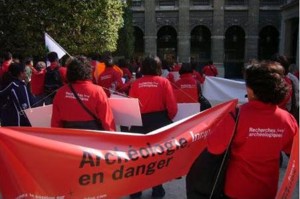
104,77
267,132
83,97
148,85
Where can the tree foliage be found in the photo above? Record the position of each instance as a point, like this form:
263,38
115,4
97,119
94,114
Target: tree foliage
80,26
126,34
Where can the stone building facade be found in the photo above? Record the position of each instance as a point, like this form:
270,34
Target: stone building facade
228,32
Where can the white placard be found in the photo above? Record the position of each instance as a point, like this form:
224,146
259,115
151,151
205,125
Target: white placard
186,110
40,116
126,111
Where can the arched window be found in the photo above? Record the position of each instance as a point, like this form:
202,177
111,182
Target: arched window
138,41
268,42
201,44
167,42
234,52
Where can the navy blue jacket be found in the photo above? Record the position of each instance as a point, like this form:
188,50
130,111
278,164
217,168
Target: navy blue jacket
15,98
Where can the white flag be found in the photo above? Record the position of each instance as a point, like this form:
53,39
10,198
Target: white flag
52,45
218,90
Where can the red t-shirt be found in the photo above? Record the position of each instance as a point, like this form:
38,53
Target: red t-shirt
197,76
155,93
263,131
210,70
4,67
126,73
37,82
186,89
67,108
109,77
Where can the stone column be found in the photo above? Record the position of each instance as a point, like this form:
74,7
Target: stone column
150,28
218,37
251,48
183,38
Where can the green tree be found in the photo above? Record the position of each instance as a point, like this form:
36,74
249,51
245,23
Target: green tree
126,34
80,26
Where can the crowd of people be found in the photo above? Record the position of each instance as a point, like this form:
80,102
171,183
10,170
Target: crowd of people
84,85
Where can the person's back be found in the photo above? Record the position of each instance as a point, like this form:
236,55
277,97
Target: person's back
210,69
53,77
255,150
185,88
110,79
263,131
124,65
38,81
157,104
92,96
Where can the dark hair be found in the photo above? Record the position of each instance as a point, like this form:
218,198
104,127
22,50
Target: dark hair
194,65
7,56
151,66
266,80
64,59
107,59
15,69
40,65
185,68
28,60
78,68
95,56
283,60
52,56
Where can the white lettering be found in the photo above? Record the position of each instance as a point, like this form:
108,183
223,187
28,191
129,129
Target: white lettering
266,132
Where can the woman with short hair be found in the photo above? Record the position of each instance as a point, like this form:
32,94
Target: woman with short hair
93,97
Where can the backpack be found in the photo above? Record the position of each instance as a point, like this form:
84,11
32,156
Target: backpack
53,80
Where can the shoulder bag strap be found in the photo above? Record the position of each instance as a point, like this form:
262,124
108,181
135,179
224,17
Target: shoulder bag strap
81,103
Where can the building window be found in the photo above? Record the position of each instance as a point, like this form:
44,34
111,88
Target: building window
200,2
236,2
272,2
137,3
168,3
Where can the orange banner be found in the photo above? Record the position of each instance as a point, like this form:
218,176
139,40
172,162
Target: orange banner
64,163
